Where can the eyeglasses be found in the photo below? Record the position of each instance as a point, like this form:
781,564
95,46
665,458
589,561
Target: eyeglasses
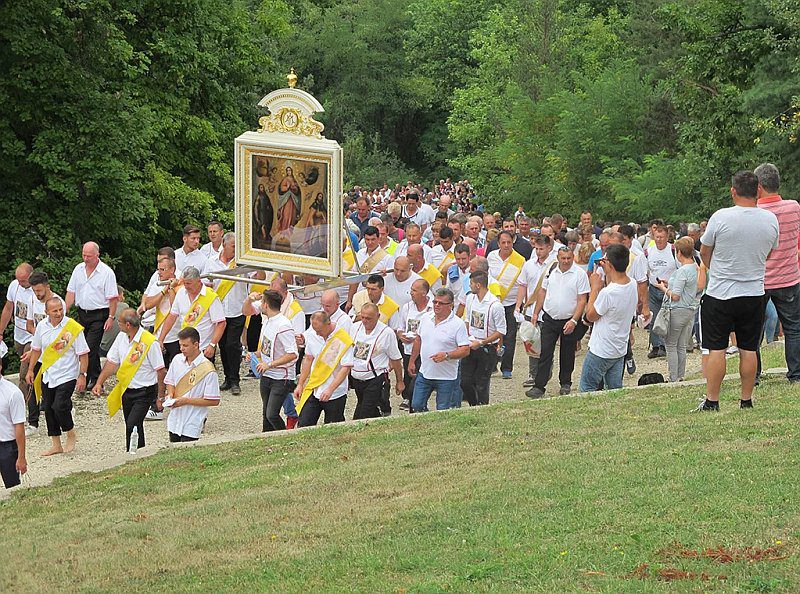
442,302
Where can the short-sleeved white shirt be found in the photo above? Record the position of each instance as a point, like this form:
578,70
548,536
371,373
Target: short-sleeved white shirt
194,258
342,320
36,309
456,286
616,305
402,250
484,317
438,254
361,298
208,249
20,298
399,291
147,374
661,263
277,339
529,277
188,420
410,317
384,264
95,291
314,346
443,337
233,301
12,409
67,366
205,327
563,289
496,264
378,346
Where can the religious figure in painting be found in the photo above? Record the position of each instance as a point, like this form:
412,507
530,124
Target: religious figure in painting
288,202
316,224
263,216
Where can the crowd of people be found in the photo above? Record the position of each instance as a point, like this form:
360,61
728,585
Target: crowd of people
446,288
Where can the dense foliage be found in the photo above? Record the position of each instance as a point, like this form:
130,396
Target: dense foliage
118,115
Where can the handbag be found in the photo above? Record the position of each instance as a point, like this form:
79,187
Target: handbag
661,323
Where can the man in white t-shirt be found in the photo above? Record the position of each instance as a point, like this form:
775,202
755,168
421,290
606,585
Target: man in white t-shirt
13,462
18,297
189,254
411,315
661,265
215,235
192,386
440,342
459,269
397,284
734,248
611,308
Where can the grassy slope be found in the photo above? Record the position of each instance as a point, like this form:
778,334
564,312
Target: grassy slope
530,496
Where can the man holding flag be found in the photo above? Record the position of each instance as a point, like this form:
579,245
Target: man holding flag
135,357
60,347
322,385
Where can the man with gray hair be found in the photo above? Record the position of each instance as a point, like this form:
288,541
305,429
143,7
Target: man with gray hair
196,306
693,231
782,277
440,342
232,294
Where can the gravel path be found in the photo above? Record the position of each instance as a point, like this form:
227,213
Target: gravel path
101,439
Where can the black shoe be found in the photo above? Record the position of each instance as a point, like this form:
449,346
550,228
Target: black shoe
746,403
534,393
565,389
235,389
653,353
630,365
662,352
707,406
226,385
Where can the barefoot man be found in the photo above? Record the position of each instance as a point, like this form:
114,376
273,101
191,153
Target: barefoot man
63,355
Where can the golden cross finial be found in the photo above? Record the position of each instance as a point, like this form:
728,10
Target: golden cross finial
291,78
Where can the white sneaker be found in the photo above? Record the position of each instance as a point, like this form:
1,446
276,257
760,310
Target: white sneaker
31,430
154,416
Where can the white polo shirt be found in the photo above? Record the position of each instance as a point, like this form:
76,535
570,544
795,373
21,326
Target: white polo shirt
342,320
314,346
438,254
146,374
208,249
67,366
529,277
484,317
232,304
20,298
410,318
277,340
94,291
205,327
361,298
188,420
496,264
563,289
378,346
12,409
194,258
397,290
443,337
36,310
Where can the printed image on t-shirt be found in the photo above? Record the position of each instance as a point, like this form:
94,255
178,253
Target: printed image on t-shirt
38,318
266,347
412,326
21,311
477,320
361,351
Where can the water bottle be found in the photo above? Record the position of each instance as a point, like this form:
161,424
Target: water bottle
133,443
501,350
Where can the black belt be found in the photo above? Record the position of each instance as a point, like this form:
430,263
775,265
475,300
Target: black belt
136,390
6,443
90,311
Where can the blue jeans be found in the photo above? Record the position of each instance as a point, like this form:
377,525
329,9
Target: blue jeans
458,393
787,303
422,393
655,298
596,370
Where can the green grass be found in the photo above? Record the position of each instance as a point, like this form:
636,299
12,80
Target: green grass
771,357
565,495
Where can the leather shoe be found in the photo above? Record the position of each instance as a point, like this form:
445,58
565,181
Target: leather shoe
235,389
226,385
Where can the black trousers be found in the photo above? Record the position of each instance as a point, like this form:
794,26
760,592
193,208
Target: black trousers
371,395
92,322
273,394
230,348
313,409
57,406
552,332
175,438
408,380
135,404
253,333
476,373
33,406
509,340
8,463
171,350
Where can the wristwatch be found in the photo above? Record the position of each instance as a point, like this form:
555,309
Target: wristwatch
447,356
212,345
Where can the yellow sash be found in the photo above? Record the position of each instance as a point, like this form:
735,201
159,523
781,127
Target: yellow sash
162,311
324,363
430,274
54,352
449,258
348,255
372,261
387,309
127,369
260,288
198,309
224,287
293,310
193,377
392,247
508,275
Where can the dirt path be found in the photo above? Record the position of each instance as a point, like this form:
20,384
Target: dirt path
101,440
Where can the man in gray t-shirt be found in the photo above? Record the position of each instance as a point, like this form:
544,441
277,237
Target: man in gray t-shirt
734,248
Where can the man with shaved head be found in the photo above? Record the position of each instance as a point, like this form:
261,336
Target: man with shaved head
397,284
92,288
416,255
329,303
18,298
